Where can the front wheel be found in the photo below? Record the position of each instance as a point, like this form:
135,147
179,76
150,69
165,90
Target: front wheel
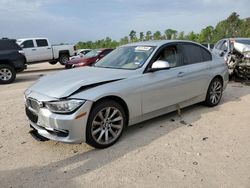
105,124
63,59
214,92
7,74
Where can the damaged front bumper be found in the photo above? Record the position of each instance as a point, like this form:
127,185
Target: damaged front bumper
68,128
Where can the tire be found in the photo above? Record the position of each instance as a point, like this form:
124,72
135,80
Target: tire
7,74
63,59
53,62
101,132
214,92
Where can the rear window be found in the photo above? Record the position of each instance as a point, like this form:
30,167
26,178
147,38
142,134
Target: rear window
41,42
6,44
195,54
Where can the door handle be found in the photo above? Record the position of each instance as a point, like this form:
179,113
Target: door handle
48,48
180,74
33,49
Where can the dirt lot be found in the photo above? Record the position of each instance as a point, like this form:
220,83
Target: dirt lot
206,147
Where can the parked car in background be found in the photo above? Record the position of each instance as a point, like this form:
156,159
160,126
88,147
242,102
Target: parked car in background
88,58
80,53
12,60
40,50
236,53
133,83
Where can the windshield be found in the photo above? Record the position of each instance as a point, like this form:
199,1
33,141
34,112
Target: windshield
92,53
127,57
244,41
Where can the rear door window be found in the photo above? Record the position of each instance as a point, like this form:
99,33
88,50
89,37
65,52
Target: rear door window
41,42
195,54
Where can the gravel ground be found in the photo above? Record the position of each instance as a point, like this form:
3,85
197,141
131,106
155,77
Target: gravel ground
205,147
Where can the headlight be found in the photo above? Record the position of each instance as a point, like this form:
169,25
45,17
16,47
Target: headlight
64,106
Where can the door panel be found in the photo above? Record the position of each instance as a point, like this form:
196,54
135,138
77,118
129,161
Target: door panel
194,79
187,78
44,51
161,89
29,50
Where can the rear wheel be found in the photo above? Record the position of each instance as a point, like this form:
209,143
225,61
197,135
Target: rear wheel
53,62
63,59
7,74
214,92
105,124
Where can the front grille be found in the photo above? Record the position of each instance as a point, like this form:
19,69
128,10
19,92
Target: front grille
33,117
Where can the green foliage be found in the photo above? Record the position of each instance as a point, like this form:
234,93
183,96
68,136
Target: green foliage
141,36
206,35
233,26
148,35
157,35
171,34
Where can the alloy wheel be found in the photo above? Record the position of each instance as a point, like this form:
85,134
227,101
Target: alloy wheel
215,92
107,125
5,74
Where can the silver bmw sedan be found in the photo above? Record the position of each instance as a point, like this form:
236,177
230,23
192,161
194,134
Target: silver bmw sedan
133,83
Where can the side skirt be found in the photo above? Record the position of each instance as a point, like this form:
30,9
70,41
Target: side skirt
168,109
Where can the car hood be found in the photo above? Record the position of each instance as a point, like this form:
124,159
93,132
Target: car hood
65,83
242,48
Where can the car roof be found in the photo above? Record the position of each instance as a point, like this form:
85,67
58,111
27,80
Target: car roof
32,38
237,38
158,43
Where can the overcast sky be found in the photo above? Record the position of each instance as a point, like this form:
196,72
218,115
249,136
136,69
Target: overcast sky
80,20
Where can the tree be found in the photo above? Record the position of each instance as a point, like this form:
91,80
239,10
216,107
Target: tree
132,36
171,34
124,40
245,28
181,35
206,35
192,36
141,36
157,35
233,26
149,35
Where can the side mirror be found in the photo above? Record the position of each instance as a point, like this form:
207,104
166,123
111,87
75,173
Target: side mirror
159,65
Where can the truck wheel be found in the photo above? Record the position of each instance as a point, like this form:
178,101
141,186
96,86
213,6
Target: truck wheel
7,74
53,62
63,59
